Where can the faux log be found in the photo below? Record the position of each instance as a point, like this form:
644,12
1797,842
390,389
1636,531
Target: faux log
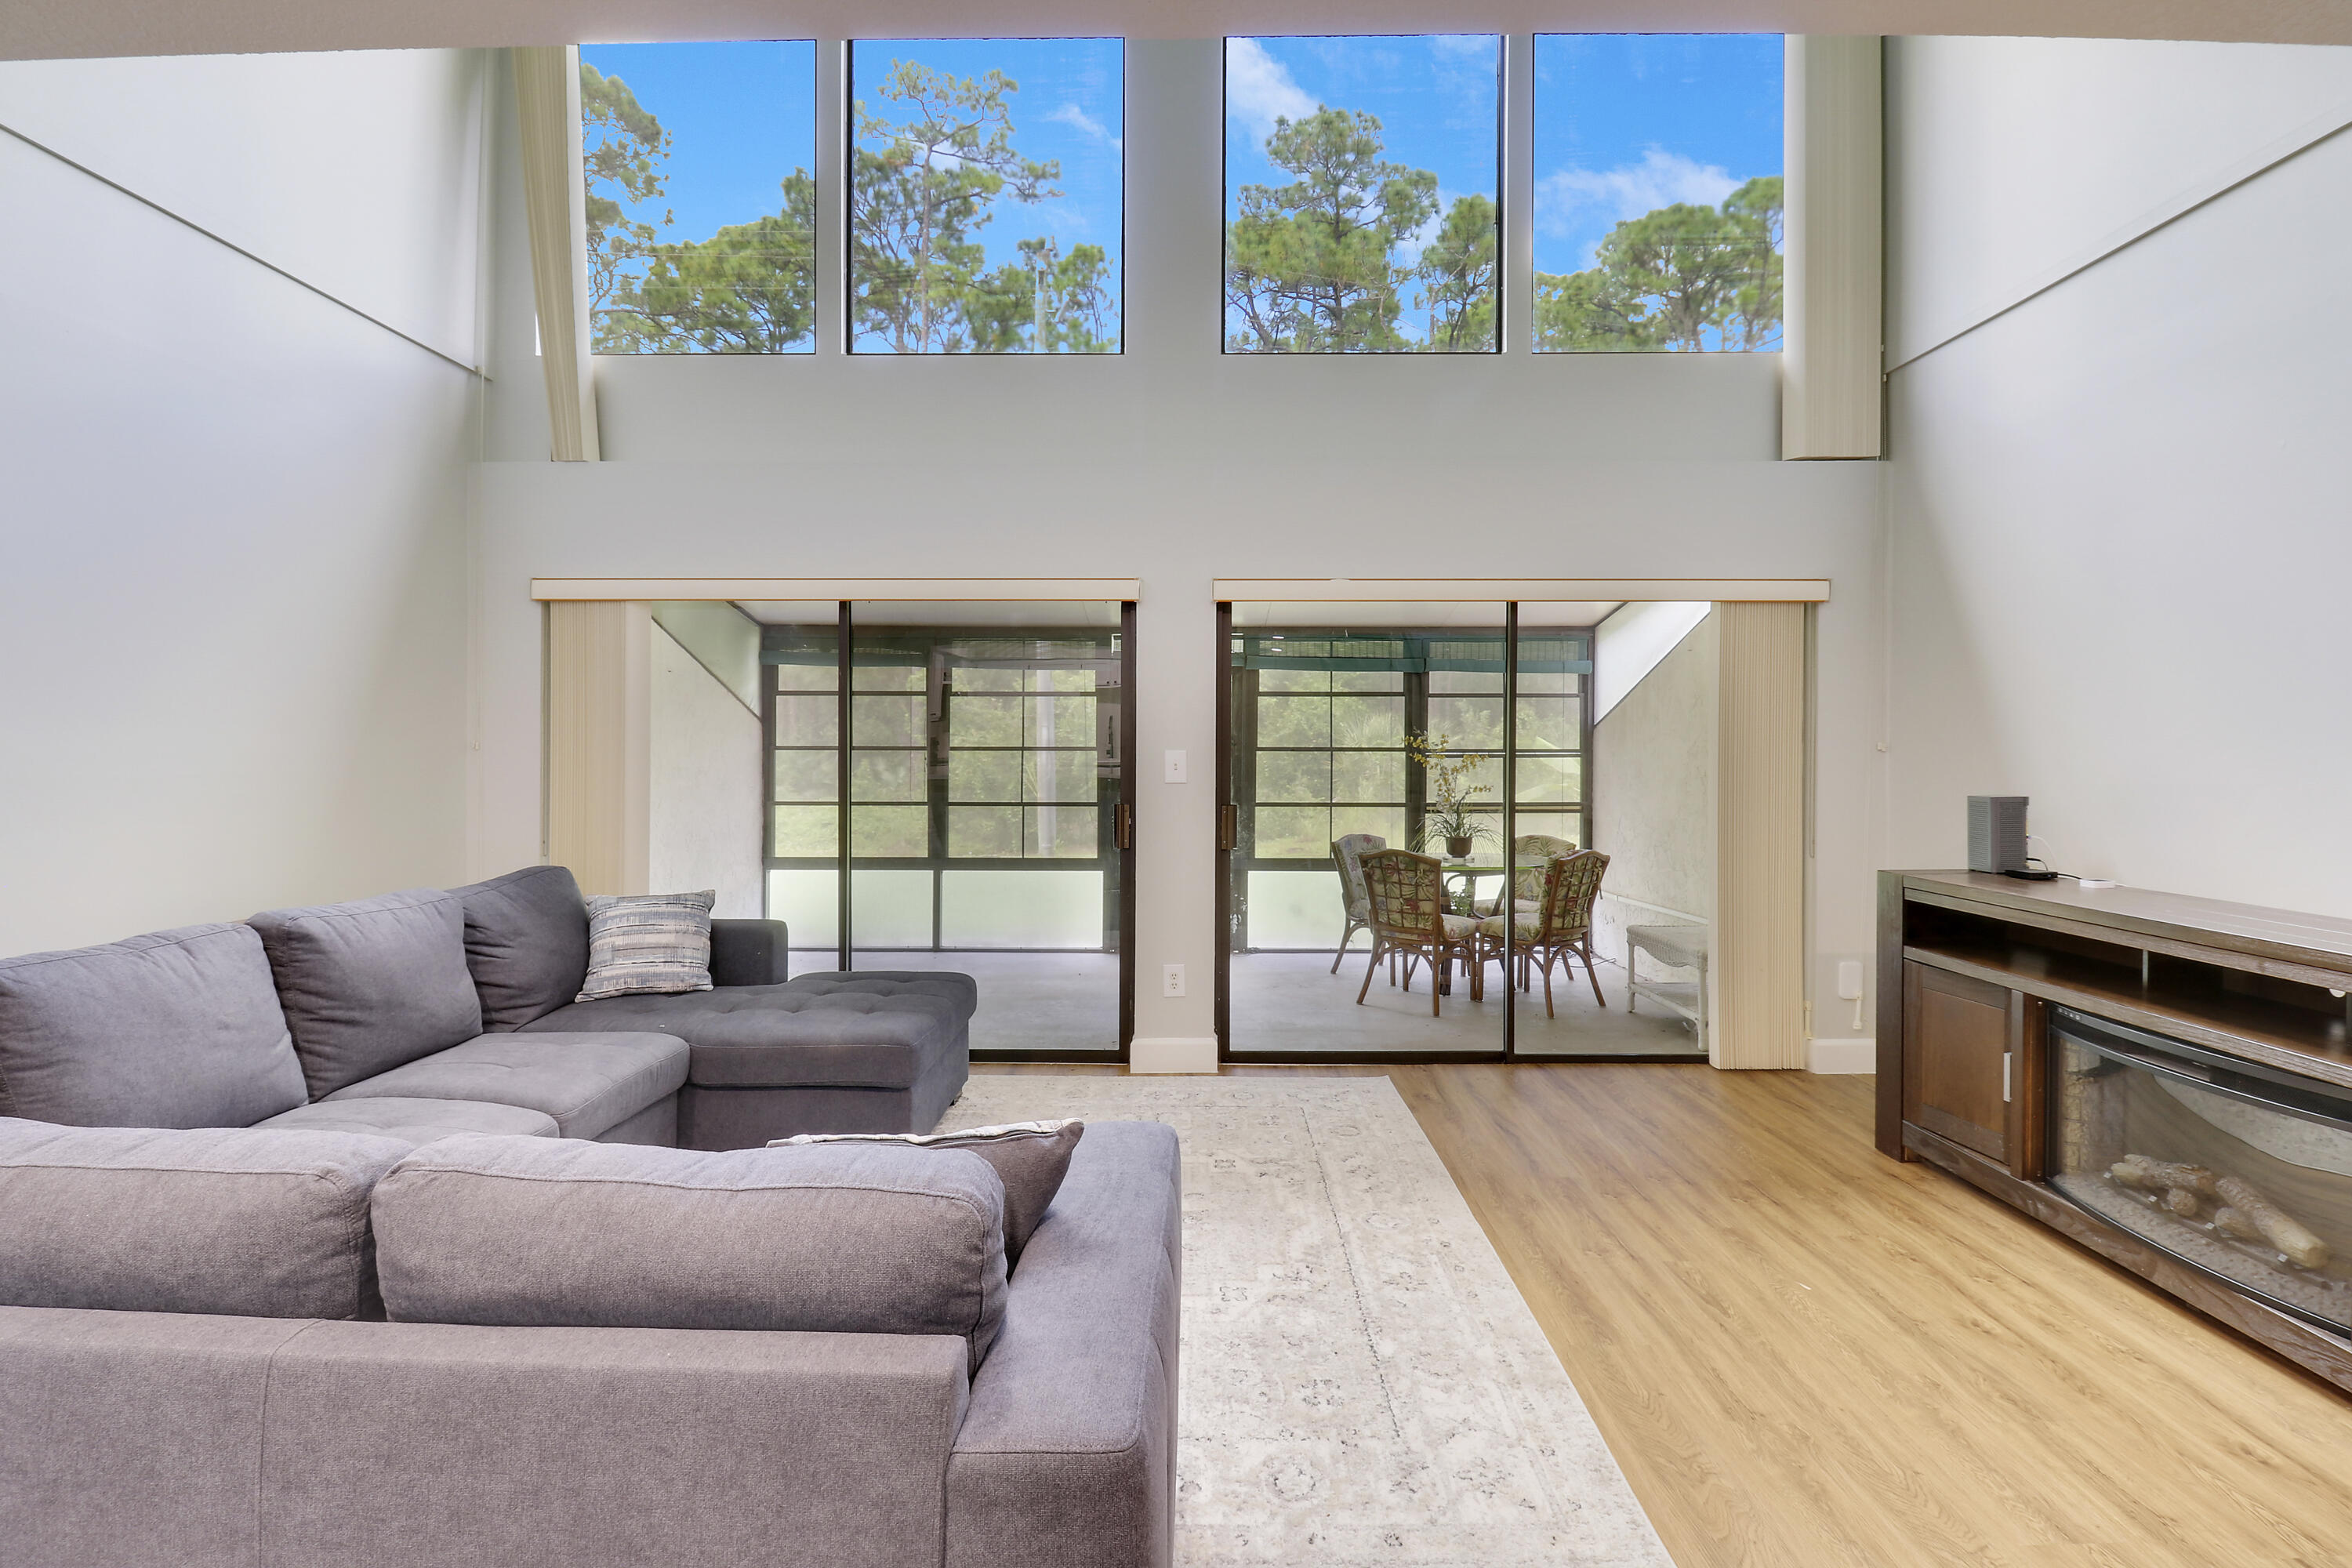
2278,1228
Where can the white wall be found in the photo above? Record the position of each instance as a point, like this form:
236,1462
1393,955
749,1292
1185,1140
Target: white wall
235,533
1652,768
2116,513
1175,464
704,811
359,174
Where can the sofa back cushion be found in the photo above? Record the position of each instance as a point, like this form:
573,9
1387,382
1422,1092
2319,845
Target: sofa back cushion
527,943
372,984
248,1222
179,1029
851,1238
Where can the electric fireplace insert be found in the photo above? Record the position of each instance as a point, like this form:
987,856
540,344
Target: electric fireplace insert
2236,1169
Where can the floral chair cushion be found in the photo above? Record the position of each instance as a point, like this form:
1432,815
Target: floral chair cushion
1348,850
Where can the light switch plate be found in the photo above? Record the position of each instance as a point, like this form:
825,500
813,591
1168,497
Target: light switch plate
1172,770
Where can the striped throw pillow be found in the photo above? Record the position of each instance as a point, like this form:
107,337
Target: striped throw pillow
659,944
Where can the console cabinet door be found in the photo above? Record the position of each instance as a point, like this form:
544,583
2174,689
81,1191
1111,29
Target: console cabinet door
1958,1034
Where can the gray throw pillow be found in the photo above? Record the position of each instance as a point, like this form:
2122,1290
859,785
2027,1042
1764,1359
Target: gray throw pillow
656,944
1030,1157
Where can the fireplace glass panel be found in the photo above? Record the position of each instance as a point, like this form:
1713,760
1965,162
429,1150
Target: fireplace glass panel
2245,1177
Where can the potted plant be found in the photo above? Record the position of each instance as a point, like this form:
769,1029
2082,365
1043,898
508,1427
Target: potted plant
1447,815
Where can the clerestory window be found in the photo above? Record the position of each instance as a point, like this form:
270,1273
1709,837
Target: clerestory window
1362,195
702,206
984,195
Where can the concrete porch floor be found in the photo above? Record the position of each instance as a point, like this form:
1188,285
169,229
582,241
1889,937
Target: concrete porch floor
1290,1003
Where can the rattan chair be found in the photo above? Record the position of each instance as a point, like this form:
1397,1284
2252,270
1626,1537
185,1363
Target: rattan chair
1346,851
1530,853
1407,896
1561,928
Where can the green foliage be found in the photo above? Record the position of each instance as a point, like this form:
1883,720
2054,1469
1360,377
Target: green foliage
1448,814
625,148
1681,276
750,289
1307,265
1457,273
1062,303
920,192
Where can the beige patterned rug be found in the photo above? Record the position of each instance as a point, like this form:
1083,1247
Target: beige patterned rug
1362,1384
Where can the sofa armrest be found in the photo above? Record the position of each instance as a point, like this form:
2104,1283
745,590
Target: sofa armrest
749,953
1067,1454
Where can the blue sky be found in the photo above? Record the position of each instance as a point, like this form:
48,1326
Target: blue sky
1625,124
1436,97
740,116
1070,106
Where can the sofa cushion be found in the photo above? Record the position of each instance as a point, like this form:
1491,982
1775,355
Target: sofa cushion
854,1238
527,943
225,1219
1029,1157
417,1120
589,1083
781,1036
370,984
648,944
179,1029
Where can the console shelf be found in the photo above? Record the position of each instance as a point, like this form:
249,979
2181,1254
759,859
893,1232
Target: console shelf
1970,966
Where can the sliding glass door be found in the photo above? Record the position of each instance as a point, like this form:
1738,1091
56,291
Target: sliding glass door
1407,831
980,750
1357,739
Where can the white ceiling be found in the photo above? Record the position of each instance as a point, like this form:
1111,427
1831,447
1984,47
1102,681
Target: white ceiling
38,29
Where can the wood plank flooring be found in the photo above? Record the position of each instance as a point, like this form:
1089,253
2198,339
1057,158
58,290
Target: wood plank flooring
1803,1353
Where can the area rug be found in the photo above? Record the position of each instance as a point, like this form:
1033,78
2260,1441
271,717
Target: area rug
1362,1382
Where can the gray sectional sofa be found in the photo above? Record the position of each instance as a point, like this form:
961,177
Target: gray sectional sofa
421,1013
234,1347
346,1236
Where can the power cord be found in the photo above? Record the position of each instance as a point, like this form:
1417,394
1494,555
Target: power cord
2046,874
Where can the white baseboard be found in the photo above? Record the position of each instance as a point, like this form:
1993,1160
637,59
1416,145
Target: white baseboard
1842,1056
1173,1055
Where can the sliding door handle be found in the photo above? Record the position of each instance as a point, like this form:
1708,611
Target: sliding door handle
1123,830
1229,826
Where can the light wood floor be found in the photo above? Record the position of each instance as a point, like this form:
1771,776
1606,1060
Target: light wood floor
1803,1353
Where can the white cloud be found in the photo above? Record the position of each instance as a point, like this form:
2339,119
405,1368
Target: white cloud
1569,201
1465,46
1259,90
1085,124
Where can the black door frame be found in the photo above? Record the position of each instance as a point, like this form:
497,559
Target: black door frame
1229,844
1123,830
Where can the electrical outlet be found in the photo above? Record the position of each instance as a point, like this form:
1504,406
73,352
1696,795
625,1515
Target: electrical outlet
1171,980
1849,979
1173,768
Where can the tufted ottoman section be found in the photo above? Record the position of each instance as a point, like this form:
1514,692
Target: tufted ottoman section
877,1051
960,992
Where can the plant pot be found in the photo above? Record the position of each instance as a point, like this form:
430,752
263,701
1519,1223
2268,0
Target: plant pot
1458,848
